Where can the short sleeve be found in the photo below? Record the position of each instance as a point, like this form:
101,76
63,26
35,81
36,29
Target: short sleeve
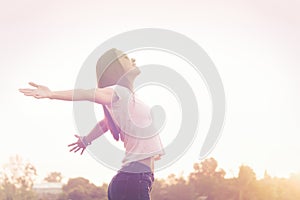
122,93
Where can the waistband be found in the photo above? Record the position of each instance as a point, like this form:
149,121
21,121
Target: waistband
136,167
147,176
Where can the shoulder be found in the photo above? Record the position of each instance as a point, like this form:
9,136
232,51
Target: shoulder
121,92
103,95
106,90
113,93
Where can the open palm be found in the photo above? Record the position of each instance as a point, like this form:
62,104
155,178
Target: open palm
39,92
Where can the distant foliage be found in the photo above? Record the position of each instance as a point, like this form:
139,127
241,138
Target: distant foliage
54,177
81,188
16,180
206,182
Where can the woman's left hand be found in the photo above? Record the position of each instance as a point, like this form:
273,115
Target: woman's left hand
38,93
78,145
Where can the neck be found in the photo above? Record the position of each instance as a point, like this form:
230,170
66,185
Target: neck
128,82
130,85
128,79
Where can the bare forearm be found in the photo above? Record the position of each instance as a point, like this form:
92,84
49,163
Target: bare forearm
97,95
97,131
73,95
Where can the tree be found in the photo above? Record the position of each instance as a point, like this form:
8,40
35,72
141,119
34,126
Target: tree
81,188
178,188
206,180
53,177
246,181
159,189
17,179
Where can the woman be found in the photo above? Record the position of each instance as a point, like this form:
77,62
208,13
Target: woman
125,116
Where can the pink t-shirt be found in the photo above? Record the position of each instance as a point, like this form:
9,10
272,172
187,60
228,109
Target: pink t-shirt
138,132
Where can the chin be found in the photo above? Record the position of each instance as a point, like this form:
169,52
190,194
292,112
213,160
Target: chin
138,71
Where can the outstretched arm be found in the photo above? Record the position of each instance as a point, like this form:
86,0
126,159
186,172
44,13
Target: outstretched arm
84,141
97,95
97,131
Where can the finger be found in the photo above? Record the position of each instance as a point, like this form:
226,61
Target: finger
28,94
33,84
73,148
77,136
26,90
37,96
77,149
72,144
82,151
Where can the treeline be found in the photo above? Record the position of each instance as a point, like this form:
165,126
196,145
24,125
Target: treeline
207,181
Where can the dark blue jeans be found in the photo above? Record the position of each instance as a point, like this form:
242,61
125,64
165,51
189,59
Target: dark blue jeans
130,185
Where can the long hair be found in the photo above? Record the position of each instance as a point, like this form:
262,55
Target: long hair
109,72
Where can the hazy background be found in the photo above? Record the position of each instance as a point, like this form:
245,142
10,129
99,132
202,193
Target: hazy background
254,45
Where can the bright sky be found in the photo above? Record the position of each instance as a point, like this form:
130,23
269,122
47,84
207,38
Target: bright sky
253,44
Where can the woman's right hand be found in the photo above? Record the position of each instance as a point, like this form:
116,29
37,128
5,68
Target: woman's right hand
39,92
78,145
